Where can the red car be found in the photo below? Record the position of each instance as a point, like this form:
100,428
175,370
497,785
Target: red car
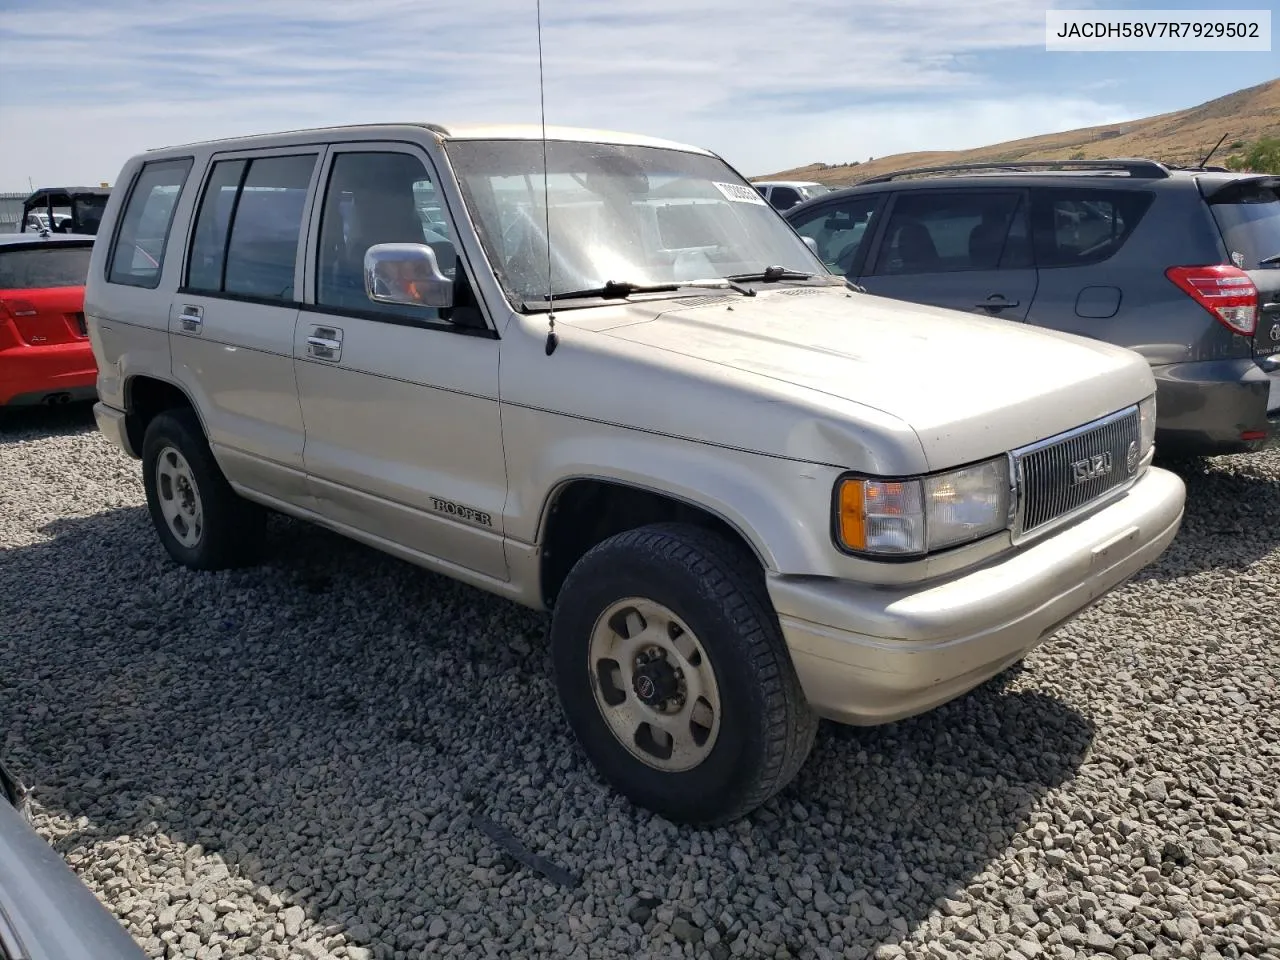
45,356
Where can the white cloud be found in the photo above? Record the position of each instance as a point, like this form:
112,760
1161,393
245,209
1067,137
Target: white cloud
833,79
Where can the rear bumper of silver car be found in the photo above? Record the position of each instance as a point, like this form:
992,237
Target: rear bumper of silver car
111,424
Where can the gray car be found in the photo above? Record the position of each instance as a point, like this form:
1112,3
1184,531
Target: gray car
1180,265
46,913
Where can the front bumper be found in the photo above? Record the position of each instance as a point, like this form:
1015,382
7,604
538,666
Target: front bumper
1212,407
869,655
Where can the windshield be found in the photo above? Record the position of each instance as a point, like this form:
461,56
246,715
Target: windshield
1250,224
43,268
640,215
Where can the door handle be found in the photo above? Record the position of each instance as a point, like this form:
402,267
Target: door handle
997,302
325,343
324,348
191,318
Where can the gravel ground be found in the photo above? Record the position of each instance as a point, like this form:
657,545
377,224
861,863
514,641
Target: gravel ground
339,755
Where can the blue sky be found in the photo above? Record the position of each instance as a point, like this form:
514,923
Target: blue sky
83,85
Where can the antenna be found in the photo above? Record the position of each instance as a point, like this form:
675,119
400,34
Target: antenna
1213,151
552,339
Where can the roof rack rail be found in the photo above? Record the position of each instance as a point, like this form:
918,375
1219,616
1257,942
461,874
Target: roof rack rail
1135,167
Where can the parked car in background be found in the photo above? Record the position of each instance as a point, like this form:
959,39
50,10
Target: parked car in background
38,221
46,912
785,194
45,353
1181,265
64,209
743,494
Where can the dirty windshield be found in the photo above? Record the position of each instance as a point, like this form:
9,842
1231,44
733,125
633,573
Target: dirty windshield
619,214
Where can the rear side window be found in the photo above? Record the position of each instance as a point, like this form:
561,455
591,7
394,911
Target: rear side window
249,226
44,268
932,232
1075,227
840,230
784,198
1250,223
209,242
137,256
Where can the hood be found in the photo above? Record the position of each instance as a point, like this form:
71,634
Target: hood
968,386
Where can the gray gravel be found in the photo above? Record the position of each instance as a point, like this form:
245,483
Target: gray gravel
324,757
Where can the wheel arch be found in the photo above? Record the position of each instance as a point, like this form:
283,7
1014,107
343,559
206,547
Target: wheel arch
584,509
146,396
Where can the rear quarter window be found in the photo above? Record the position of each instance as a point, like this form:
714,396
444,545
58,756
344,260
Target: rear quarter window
1250,223
44,268
137,255
1072,227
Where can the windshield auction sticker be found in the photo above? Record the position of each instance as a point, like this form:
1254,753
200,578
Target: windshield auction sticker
740,193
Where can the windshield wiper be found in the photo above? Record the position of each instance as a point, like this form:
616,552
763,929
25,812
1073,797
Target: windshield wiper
620,289
773,274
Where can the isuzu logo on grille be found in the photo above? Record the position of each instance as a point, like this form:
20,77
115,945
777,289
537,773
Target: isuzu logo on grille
1099,465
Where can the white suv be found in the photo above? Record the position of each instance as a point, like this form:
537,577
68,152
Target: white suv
785,194
749,495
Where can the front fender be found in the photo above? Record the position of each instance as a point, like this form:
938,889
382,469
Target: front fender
781,507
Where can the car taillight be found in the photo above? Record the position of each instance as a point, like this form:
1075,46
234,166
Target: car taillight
1225,291
18,308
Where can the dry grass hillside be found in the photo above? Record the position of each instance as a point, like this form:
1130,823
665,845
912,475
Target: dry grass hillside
1182,137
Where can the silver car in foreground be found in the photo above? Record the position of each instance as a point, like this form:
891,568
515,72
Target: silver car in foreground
46,913
749,494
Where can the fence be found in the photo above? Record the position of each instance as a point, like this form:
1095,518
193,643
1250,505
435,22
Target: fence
10,211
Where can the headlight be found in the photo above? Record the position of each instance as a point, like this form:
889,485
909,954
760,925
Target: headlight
912,517
1147,424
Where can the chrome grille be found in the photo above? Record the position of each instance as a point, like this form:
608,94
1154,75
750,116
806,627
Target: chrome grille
1066,473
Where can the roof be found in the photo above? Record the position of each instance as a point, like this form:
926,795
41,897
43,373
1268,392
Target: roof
65,191
32,238
787,183
462,131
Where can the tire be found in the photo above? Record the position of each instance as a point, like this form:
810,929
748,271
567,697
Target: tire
227,530
759,736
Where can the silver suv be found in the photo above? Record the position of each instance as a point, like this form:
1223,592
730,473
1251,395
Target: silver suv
620,388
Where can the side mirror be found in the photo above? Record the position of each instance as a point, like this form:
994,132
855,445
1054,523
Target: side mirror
406,273
811,243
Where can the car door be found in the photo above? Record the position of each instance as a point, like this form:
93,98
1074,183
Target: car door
403,433
964,249
841,230
1080,235
232,322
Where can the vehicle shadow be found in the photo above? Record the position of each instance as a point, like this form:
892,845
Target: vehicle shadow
1229,521
23,424
339,725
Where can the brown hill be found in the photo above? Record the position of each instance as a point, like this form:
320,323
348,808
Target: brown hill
1182,137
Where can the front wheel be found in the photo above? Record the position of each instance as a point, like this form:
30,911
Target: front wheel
675,677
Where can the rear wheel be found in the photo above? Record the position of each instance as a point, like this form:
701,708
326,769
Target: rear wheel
202,522
674,675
